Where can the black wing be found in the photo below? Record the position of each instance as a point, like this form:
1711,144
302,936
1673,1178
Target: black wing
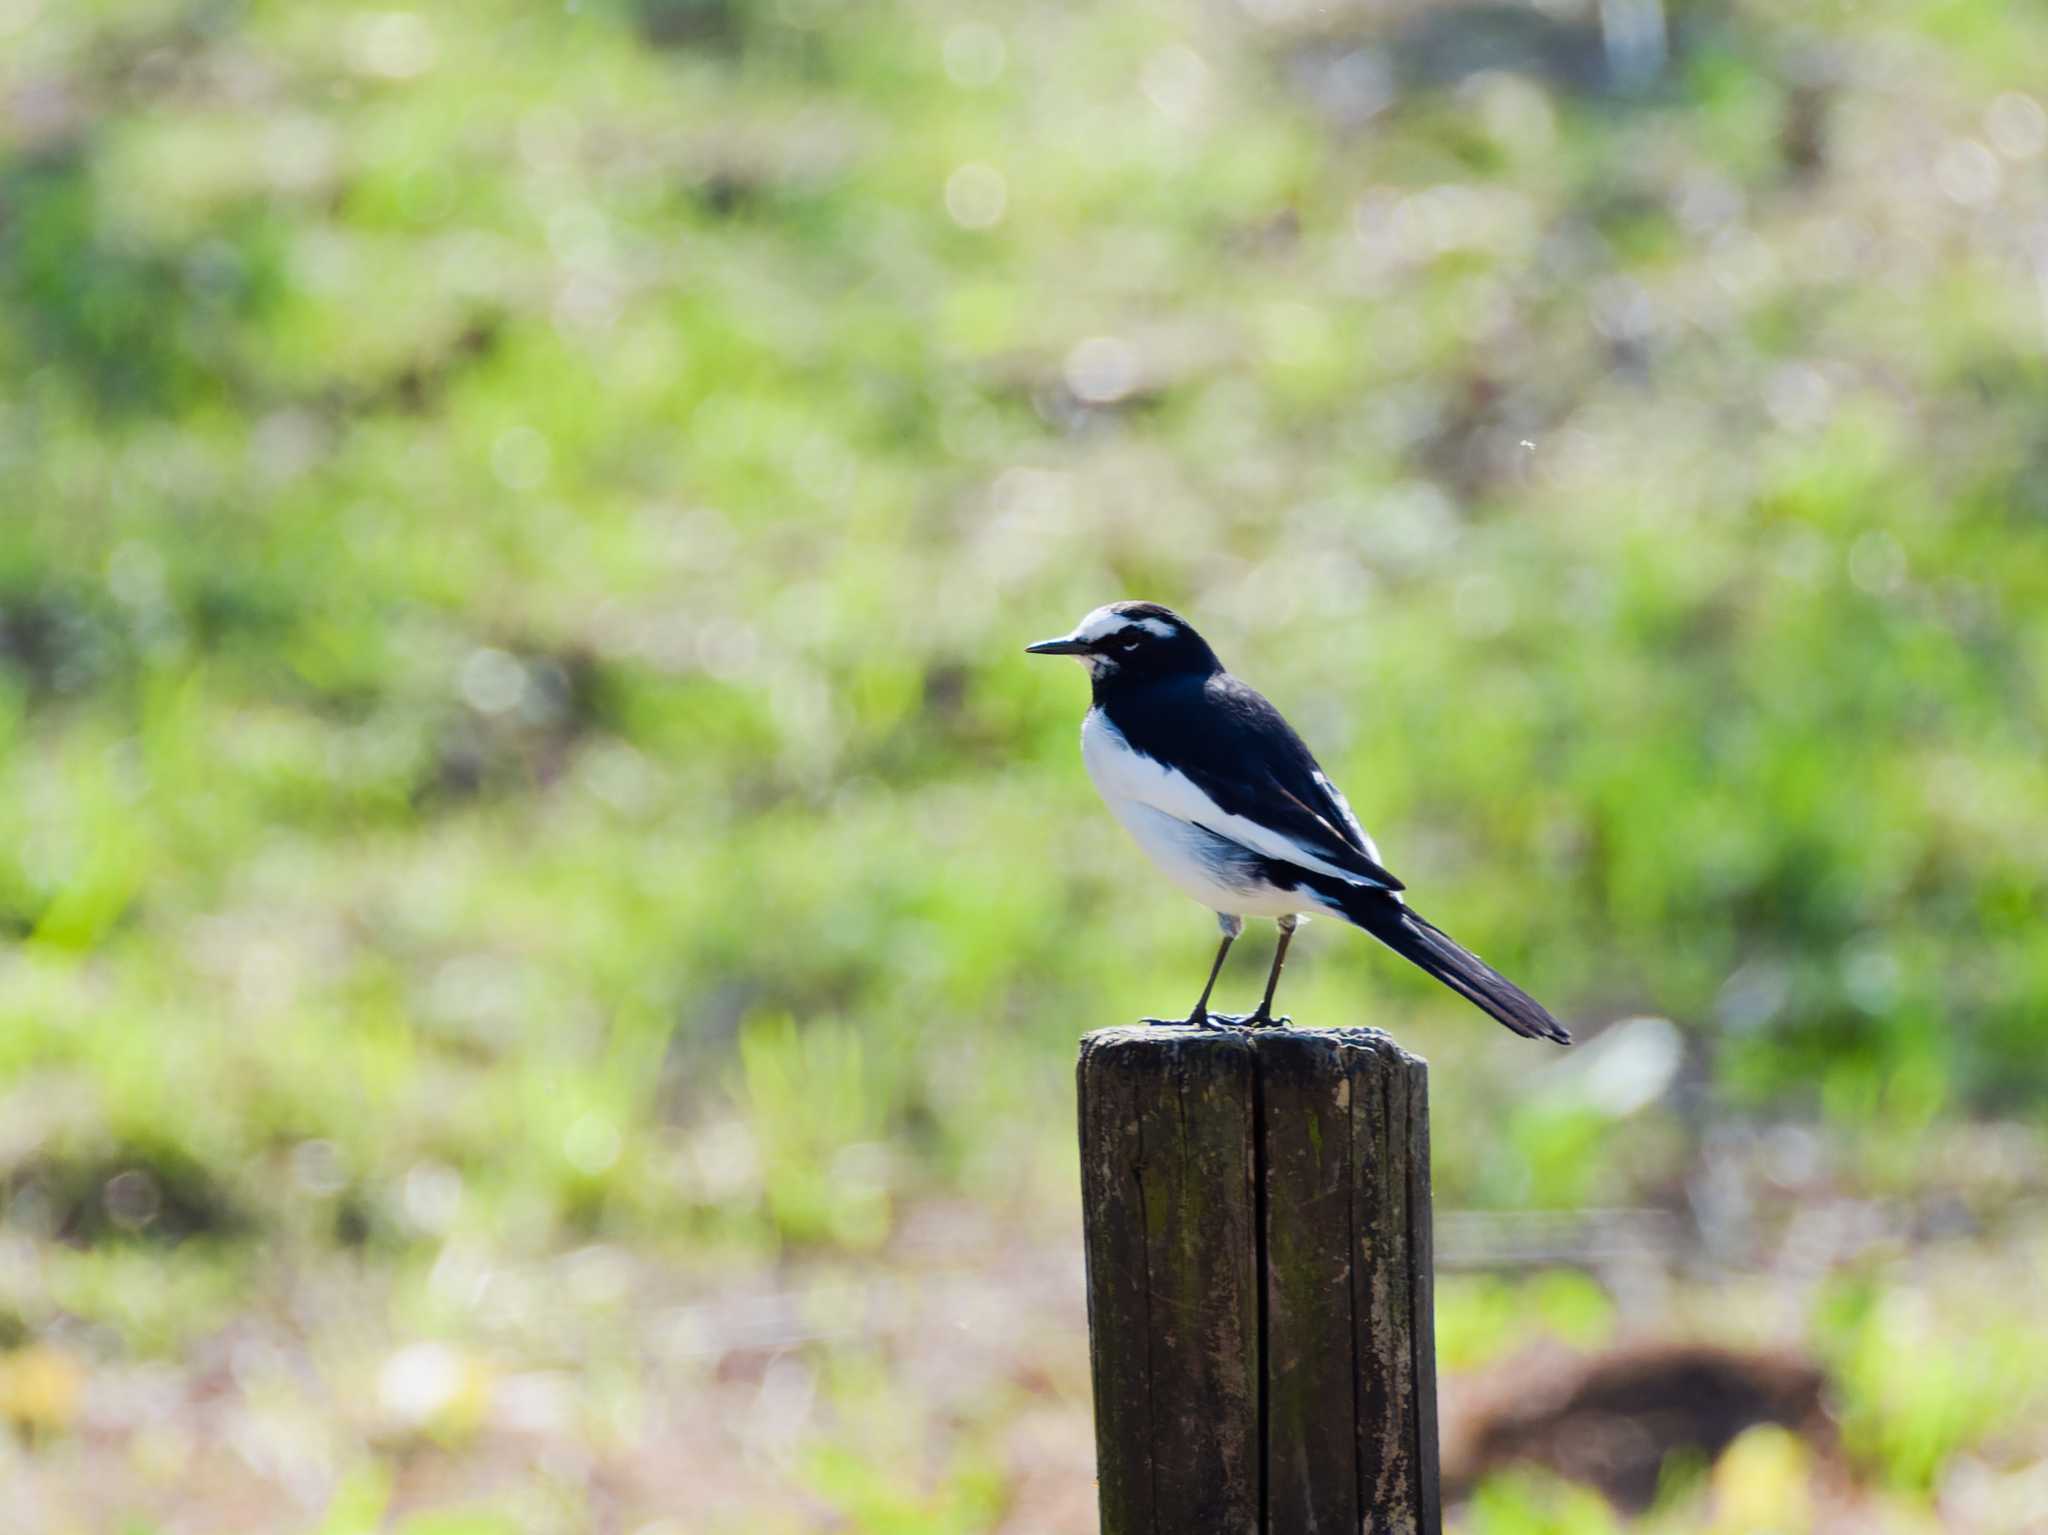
1236,748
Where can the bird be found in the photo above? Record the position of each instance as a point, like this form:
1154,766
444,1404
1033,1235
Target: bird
1226,800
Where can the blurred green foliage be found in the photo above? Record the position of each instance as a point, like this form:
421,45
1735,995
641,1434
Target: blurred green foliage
1917,1387
520,520
1481,1318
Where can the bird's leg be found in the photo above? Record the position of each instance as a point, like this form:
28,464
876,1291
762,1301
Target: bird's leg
1199,1018
1264,1016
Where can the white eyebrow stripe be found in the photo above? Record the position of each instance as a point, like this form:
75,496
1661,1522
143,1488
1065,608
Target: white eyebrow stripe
1104,622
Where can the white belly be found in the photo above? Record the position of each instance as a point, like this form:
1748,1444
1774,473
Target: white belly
1182,851
1176,848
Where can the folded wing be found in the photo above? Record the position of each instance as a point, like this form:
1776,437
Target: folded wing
1238,771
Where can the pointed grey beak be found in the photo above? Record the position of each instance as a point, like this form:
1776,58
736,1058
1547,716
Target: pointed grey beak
1067,645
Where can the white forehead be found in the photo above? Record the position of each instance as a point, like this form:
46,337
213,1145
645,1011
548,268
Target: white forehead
1104,622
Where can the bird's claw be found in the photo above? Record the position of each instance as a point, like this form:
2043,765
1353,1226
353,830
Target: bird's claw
1212,1022
1216,1022
1258,1020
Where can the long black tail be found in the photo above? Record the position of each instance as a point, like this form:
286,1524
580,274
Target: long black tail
1423,943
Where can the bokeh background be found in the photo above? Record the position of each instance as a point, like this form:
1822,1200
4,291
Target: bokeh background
544,918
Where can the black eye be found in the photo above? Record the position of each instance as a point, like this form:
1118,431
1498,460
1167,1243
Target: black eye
1126,644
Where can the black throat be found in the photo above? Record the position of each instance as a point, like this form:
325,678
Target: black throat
1179,668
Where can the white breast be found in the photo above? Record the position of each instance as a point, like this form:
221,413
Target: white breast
1180,848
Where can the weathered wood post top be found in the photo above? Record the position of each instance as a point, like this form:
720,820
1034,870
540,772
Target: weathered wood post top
1257,1218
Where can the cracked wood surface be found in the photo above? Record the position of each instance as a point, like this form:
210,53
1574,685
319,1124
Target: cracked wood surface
1256,1209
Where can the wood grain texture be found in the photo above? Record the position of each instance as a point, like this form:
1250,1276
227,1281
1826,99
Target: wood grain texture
1256,1210
1167,1173
1119,1286
1306,1178
1422,1242
1387,1425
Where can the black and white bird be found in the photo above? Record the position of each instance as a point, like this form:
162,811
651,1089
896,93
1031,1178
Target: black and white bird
1223,796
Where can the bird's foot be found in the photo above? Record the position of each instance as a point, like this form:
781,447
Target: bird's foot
1215,1022
1255,1020
1194,1020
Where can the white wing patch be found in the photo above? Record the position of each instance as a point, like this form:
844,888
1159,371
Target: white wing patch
1344,806
1123,775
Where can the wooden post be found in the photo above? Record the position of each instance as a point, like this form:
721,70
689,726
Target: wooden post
1256,1206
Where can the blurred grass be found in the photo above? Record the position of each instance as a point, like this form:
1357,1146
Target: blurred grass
520,521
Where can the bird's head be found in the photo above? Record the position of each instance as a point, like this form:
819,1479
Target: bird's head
1133,641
